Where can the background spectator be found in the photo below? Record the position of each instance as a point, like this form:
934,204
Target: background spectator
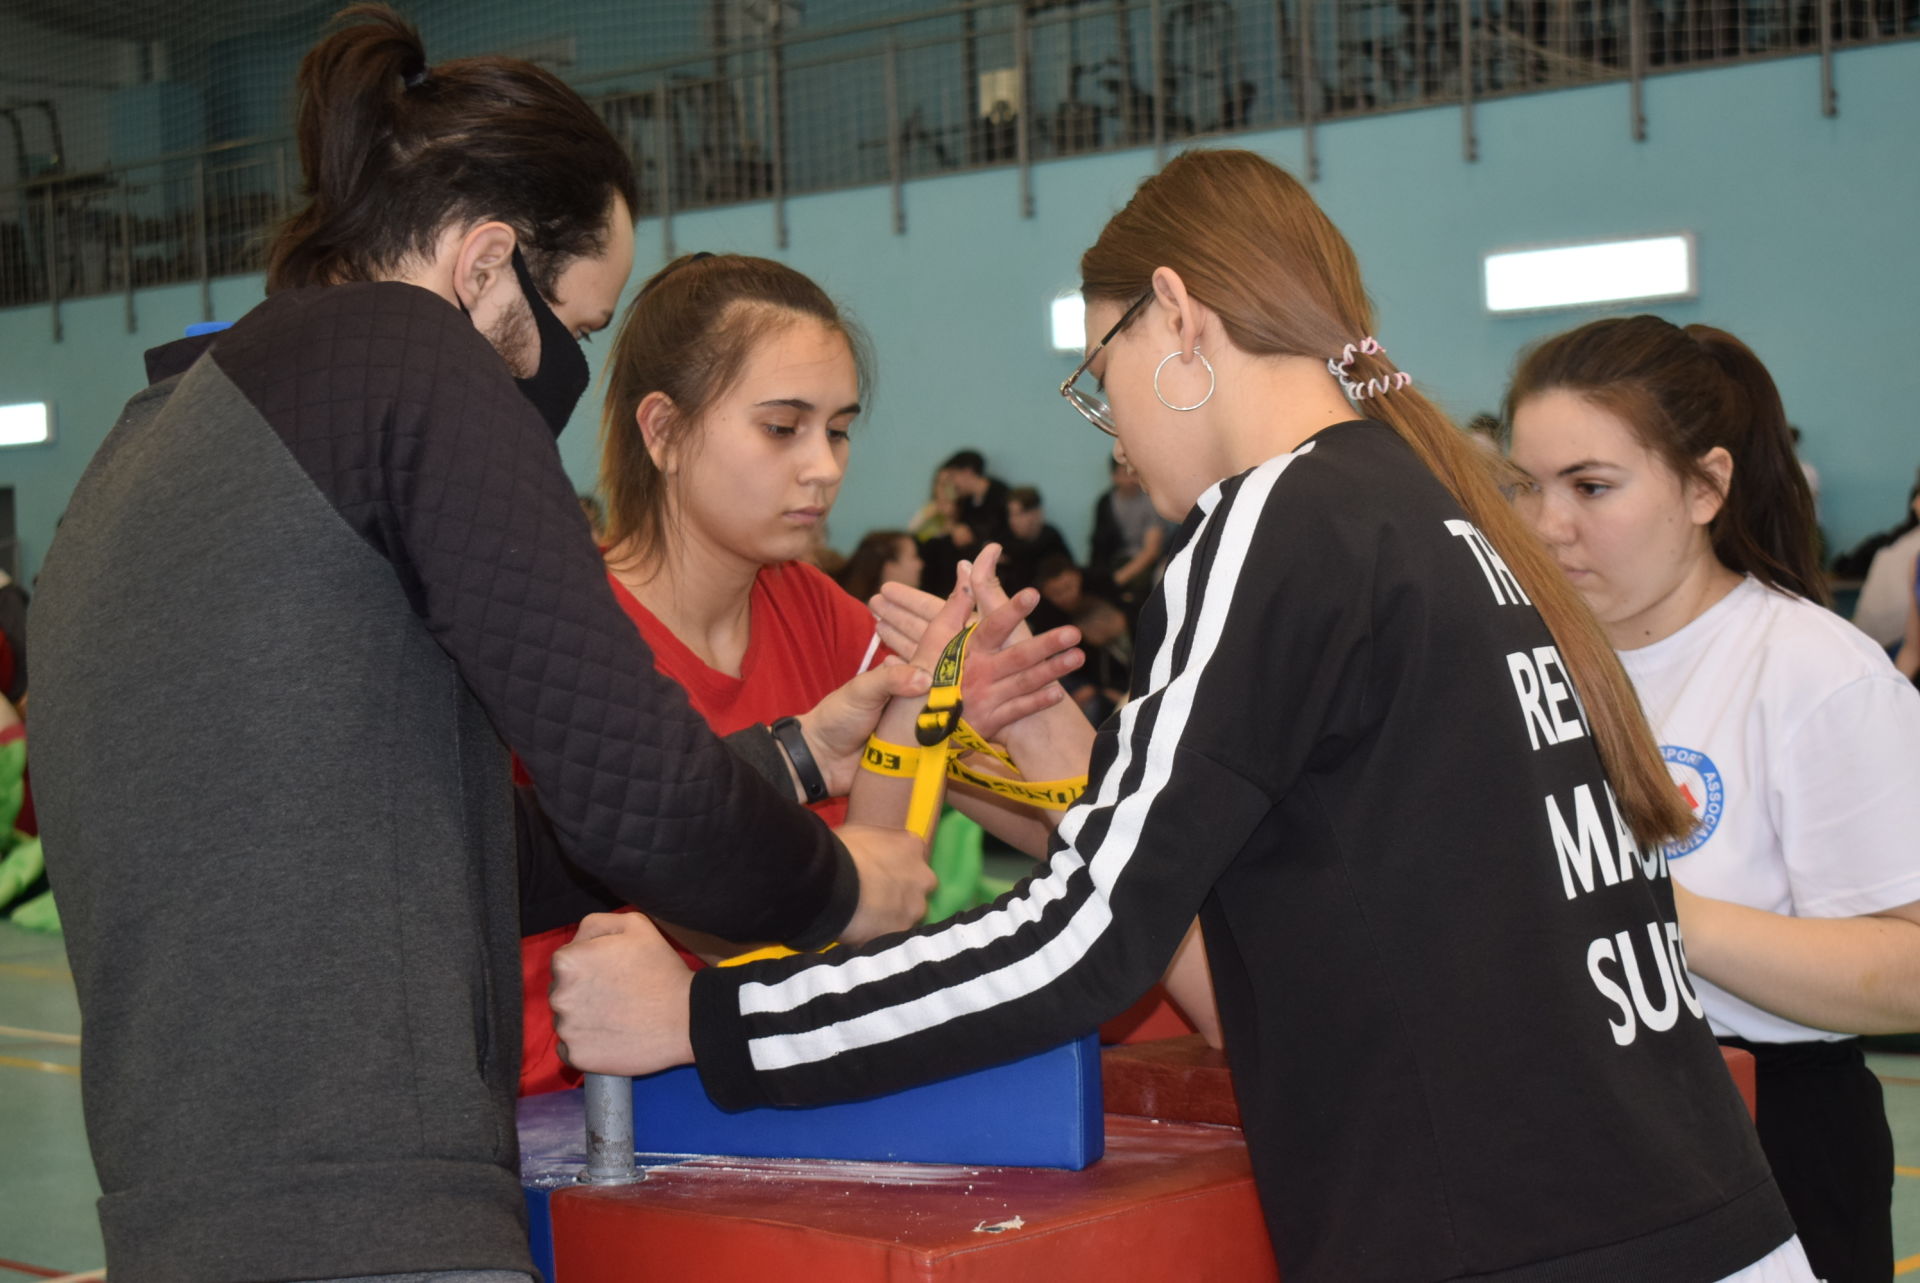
1030,540
980,515
1853,563
1129,541
883,557
973,508
1881,611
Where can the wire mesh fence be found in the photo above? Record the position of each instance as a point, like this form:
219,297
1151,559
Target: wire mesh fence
145,156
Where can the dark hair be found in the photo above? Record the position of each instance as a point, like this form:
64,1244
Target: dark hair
968,461
391,151
1685,392
1250,243
688,335
1053,565
1092,607
1027,497
1910,518
861,575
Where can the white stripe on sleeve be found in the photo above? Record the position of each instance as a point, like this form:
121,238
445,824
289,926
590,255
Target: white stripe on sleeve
1078,934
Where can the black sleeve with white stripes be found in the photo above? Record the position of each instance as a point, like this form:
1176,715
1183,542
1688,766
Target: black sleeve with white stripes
1248,660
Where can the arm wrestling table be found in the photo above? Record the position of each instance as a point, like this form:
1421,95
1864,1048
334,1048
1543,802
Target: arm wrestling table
1172,1199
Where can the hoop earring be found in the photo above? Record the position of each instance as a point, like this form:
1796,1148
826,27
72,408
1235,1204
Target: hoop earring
1183,408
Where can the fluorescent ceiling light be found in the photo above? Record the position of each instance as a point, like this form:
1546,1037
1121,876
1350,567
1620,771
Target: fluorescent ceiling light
26,424
1643,269
1070,323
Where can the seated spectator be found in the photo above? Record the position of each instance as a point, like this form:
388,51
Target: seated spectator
883,557
1881,611
973,509
1062,586
1129,542
1853,563
1100,685
1030,540
935,517
980,517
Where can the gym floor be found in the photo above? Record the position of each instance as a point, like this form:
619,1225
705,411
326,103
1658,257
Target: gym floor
47,1186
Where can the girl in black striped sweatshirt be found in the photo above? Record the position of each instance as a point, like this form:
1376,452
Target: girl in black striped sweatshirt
1380,748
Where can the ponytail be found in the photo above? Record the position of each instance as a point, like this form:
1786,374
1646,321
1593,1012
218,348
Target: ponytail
1765,525
350,93
1652,807
1251,244
392,150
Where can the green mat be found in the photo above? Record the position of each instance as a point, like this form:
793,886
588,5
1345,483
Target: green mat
958,860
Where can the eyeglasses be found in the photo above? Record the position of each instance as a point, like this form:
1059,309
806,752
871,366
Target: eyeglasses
1091,403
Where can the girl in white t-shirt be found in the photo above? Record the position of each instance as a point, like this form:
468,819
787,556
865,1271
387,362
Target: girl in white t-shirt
1661,475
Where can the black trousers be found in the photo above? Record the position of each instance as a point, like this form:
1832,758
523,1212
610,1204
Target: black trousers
1823,1124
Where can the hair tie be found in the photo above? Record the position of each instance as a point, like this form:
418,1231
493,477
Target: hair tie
1340,366
671,268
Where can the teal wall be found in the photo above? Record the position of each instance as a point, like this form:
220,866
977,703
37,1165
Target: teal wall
1806,229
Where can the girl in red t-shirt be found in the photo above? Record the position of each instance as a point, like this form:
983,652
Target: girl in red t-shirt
732,389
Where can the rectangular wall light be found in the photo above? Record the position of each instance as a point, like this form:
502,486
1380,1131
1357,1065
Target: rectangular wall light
30,423
1069,323
1643,269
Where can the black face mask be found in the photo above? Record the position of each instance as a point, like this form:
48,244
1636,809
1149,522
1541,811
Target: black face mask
562,377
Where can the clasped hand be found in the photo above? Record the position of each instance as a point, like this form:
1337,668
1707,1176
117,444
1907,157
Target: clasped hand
1010,674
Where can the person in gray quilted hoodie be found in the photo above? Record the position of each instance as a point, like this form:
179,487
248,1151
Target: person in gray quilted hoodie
317,574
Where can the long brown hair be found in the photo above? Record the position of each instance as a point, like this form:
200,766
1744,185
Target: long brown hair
392,150
1684,392
861,575
688,334
1251,244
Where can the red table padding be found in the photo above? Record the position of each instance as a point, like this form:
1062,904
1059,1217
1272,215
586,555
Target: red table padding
1169,1201
1153,1017
1740,1065
1176,1079
1184,1080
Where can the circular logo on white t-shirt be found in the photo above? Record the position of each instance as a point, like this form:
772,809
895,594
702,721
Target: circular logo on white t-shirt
1698,780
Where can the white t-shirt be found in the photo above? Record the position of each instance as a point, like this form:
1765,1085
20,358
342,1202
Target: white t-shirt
1881,611
1798,745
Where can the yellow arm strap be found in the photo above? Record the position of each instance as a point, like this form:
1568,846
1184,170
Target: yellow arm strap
933,729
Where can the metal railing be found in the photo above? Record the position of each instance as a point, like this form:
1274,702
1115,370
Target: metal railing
178,219
967,86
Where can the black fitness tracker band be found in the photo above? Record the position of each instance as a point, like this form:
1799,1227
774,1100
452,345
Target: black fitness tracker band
794,740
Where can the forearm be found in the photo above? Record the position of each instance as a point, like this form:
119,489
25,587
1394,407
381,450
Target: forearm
1055,743
880,799
1026,829
1850,975
1189,982
1065,952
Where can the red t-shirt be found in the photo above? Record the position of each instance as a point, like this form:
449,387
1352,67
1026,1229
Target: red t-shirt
806,638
